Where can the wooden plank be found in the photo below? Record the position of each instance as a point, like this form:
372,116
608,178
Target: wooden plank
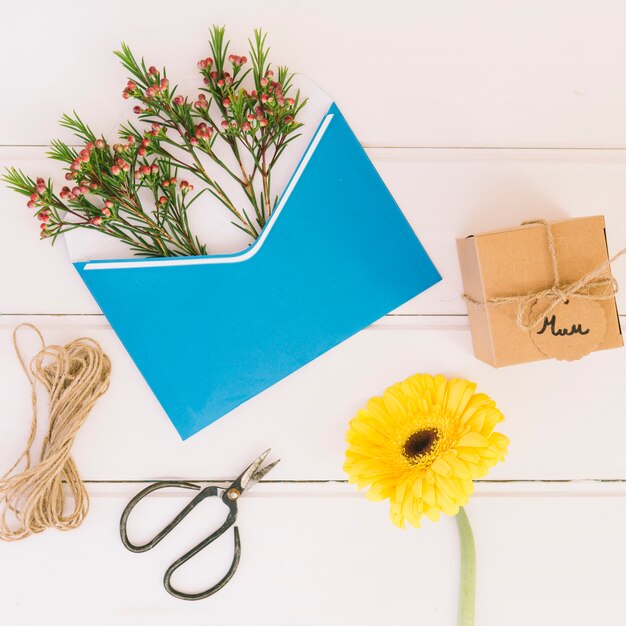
564,422
447,73
445,194
327,559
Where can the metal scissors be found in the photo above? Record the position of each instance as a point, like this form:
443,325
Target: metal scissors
229,495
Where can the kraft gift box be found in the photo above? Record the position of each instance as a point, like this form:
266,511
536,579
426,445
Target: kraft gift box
517,262
209,333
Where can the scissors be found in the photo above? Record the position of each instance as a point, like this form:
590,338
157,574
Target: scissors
229,495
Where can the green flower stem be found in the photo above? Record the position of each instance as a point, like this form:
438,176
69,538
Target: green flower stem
467,595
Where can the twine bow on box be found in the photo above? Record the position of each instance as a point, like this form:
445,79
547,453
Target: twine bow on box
592,286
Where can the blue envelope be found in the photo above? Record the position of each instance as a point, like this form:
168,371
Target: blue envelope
209,333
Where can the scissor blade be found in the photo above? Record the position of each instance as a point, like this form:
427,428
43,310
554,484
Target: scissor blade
253,474
261,473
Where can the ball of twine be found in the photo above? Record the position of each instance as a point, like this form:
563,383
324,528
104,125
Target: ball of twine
74,376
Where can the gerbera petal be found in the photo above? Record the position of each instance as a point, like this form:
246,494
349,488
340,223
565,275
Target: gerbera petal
442,468
473,440
458,467
470,454
428,494
393,403
432,513
458,394
450,509
499,440
450,487
417,488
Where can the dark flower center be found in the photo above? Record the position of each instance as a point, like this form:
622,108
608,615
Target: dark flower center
420,443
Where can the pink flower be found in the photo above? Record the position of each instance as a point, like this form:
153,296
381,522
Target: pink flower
137,110
108,204
213,74
96,221
31,205
75,166
40,181
202,64
243,60
224,124
152,70
154,168
34,197
263,122
226,102
264,82
144,169
220,83
288,119
183,185
131,139
65,191
142,151
178,100
115,170
100,143
83,189
165,83
193,141
269,74
162,200
290,101
130,85
245,126
125,94
106,212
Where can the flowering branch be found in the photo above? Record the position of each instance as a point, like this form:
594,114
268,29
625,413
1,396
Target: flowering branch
130,190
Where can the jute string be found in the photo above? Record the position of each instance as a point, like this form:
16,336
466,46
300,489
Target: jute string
75,376
595,285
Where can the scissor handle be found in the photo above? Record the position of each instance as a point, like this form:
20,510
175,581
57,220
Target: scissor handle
230,520
204,493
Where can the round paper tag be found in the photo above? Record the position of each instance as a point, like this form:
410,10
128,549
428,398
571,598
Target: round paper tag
571,330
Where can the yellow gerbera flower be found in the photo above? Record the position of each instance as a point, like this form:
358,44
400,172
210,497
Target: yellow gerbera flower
422,444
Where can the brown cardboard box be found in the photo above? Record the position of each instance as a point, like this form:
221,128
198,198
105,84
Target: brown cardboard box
516,262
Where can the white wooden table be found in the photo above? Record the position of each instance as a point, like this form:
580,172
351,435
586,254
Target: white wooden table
478,115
